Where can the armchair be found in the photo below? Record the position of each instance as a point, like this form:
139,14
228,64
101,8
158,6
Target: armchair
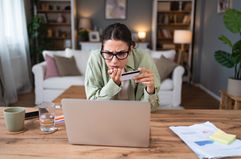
171,88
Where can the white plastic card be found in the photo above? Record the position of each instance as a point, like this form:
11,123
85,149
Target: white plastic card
129,75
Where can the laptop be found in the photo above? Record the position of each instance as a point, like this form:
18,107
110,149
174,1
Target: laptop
107,122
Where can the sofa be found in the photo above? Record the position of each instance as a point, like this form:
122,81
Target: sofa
47,89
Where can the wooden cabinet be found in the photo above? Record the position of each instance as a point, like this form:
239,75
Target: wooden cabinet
169,16
59,17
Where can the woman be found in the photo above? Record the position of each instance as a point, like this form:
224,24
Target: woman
118,55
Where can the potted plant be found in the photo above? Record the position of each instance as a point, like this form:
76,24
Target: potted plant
83,35
232,59
36,33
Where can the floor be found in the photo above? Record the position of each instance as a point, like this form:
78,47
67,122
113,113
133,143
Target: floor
192,98
195,98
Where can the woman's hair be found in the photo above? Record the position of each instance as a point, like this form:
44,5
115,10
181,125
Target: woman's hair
117,31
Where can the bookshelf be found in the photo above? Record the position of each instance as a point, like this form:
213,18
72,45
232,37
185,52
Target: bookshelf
59,17
168,16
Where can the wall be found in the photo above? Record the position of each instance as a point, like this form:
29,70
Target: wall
139,14
208,72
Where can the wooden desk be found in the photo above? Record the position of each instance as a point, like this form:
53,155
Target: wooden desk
163,142
73,91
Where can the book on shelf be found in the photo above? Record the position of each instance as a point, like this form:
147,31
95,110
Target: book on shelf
163,6
166,33
187,6
160,19
168,46
186,19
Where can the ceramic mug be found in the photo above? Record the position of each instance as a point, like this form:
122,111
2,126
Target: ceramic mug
14,118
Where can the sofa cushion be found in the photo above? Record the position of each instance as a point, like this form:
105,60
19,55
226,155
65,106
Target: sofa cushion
66,66
51,68
63,82
81,58
166,85
58,53
164,67
169,54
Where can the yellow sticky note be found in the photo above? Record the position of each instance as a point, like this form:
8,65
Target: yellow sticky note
222,137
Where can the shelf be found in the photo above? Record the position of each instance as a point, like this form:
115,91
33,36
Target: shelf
57,38
165,40
174,12
56,1
53,11
59,24
174,25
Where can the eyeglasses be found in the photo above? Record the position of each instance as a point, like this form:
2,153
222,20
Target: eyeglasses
107,55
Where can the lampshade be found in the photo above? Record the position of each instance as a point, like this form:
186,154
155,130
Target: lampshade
85,23
182,36
141,35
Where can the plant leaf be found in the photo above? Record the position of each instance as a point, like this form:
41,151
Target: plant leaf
225,40
236,52
232,20
224,58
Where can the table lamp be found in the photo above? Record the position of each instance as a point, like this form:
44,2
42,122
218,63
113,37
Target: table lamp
142,35
85,23
182,37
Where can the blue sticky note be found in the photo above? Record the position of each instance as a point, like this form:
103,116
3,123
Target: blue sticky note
204,142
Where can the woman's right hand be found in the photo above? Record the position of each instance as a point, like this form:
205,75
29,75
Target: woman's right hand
115,74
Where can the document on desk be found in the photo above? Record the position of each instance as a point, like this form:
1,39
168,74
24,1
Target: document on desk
197,138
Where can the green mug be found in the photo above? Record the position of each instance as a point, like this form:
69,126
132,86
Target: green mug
14,118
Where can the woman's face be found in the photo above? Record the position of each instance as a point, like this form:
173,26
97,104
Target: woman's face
115,47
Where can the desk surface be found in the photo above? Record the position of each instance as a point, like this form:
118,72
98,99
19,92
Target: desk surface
164,143
73,91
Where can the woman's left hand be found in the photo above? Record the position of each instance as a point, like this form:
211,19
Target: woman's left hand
146,77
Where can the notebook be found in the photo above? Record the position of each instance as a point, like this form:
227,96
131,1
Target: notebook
107,122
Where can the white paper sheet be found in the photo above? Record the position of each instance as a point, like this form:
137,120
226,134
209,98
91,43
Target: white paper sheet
197,138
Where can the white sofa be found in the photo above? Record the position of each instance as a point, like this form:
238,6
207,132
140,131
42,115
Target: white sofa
48,89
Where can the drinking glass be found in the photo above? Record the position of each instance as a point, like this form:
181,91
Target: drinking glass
46,117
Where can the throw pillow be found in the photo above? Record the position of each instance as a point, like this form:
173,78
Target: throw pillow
81,58
51,69
66,66
164,67
169,54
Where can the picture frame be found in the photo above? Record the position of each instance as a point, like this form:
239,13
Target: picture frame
223,5
43,16
115,9
94,36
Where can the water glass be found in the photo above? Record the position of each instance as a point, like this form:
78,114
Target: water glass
46,117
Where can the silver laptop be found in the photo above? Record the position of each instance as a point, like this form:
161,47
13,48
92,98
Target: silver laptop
107,122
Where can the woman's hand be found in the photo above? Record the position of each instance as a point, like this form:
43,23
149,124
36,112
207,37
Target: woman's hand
115,74
146,77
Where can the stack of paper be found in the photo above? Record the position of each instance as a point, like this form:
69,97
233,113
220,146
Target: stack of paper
197,137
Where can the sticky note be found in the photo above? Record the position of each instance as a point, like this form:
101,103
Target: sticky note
222,137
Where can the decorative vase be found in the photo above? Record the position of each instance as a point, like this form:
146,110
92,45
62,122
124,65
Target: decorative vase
234,87
60,18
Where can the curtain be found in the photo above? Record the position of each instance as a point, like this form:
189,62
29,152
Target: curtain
14,50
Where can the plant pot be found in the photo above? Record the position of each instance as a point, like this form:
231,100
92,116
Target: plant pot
234,87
